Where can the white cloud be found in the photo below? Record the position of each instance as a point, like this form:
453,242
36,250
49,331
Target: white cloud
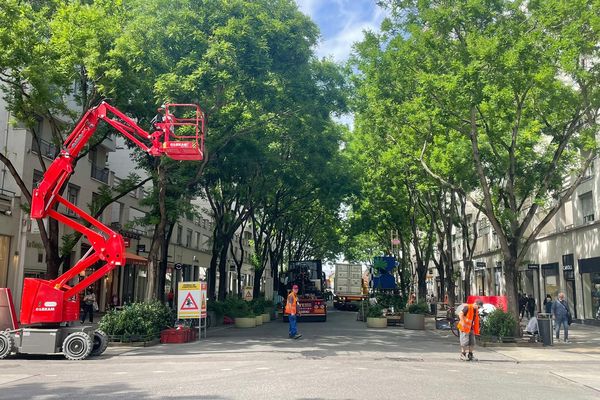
353,18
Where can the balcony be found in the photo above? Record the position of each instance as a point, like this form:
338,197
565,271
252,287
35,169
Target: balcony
45,148
100,174
588,218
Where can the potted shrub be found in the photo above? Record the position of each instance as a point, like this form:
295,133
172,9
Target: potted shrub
240,311
375,318
415,319
258,308
137,322
268,310
499,326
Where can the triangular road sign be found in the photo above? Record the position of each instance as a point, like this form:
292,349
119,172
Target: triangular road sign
189,303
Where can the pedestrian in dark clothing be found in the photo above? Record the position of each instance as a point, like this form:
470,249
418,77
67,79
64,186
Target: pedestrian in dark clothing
522,304
89,301
548,304
531,306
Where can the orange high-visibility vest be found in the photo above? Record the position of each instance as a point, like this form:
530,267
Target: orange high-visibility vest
290,304
471,320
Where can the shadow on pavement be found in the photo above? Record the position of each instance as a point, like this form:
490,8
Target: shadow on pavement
91,391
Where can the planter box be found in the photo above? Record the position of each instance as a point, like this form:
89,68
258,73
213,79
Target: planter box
172,335
414,321
245,322
395,319
266,317
259,320
376,322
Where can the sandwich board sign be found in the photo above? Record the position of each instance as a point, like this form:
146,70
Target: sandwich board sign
191,300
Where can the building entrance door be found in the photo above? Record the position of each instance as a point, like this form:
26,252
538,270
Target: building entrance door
571,295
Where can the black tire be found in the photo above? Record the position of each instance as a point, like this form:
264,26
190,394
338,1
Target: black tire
77,346
100,343
7,344
454,327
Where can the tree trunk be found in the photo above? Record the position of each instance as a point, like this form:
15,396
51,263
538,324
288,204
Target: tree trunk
162,270
511,277
159,233
258,273
223,281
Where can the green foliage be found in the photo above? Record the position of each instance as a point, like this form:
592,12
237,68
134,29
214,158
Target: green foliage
387,300
258,306
235,307
419,308
375,311
138,319
500,324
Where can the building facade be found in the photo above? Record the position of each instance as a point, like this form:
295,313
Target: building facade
565,257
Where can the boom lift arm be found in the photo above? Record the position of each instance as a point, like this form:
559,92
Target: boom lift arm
51,302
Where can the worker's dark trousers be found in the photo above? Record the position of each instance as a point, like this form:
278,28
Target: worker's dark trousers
88,309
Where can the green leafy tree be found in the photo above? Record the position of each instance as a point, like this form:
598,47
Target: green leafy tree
504,91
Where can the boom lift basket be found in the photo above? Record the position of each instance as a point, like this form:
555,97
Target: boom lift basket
184,133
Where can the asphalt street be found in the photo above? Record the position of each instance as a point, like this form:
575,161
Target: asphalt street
338,359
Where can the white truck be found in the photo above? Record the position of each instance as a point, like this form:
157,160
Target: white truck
348,286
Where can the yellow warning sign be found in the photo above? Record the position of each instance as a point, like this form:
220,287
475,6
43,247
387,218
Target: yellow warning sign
191,300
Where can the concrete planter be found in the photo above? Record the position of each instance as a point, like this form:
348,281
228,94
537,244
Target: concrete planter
245,322
376,322
414,321
266,317
259,320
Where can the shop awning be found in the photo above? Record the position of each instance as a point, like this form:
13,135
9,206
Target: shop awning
134,259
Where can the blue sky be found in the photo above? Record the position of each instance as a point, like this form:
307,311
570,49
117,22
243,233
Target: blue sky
342,23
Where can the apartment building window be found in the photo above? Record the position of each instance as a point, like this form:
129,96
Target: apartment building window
116,212
179,234
96,205
72,196
37,178
587,206
198,235
205,242
188,238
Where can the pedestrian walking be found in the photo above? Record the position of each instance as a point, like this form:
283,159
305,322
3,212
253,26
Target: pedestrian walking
291,309
531,306
170,297
89,301
548,304
469,328
561,313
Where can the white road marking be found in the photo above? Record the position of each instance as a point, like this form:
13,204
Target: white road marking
51,375
263,368
361,368
120,373
159,372
225,369
453,370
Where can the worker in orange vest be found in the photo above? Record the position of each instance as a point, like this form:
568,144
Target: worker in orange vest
291,309
469,327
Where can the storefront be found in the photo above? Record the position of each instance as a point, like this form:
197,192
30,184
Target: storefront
529,280
480,278
134,277
551,280
589,268
569,276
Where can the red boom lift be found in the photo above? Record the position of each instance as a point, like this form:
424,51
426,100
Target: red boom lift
48,307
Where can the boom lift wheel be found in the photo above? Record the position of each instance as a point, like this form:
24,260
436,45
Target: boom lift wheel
7,344
100,343
77,346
